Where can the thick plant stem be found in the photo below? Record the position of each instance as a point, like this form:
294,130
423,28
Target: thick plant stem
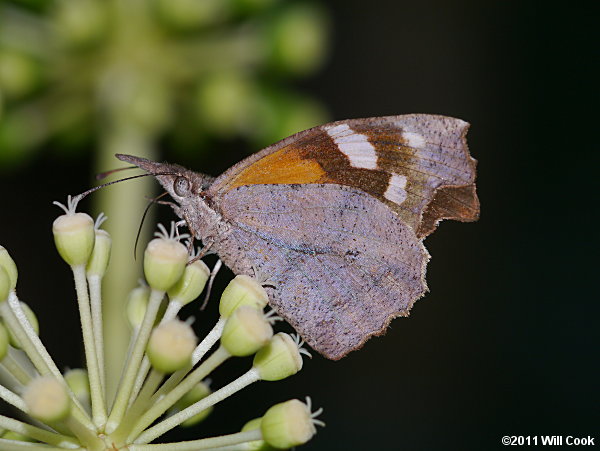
122,203
95,284
133,364
161,406
164,426
89,344
205,443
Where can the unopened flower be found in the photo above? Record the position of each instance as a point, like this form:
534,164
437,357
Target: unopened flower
164,261
171,345
288,424
242,290
246,331
47,399
8,264
279,359
73,234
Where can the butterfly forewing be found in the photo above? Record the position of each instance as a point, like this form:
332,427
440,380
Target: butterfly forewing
419,165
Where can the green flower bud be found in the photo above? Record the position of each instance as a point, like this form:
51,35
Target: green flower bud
246,331
171,345
34,323
242,290
201,390
257,445
11,435
81,24
164,263
4,341
137,303
20,74
252,6
298,38
191,284
280,113
4,284
98,261
186,15
47,399
9,266
287,424
79,383
279,359
226,102
74,237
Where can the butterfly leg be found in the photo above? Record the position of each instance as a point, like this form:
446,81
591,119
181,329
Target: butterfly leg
213,274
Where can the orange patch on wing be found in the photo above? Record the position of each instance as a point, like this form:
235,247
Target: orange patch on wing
284,166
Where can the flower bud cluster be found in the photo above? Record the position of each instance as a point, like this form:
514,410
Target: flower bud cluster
69,402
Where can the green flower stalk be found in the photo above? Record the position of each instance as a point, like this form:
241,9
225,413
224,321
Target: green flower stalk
72,410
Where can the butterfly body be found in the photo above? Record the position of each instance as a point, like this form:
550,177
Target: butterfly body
335,217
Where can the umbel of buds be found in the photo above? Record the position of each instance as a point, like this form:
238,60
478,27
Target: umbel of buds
166,369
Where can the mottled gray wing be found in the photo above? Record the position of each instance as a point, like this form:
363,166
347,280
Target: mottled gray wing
343,264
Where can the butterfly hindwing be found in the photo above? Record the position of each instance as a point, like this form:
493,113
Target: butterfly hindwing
341,280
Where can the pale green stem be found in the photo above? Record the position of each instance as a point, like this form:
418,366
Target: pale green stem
164,426
95,284
161,406
213,336
12,399
30,342
138,407
123,204
91,357
14,445
14,367
133,364
9,381
173,309
205,443
89,439
19,325
36,433
204,346
241,447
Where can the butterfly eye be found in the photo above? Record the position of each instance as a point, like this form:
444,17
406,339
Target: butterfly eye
181,186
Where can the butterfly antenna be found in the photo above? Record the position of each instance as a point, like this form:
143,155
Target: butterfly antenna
139,232
103,175
78,197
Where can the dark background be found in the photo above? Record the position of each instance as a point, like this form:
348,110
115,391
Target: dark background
506,342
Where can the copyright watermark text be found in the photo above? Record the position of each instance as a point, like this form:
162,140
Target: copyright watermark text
547,440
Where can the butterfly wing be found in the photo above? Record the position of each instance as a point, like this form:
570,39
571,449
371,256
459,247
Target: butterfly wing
339,277
419,165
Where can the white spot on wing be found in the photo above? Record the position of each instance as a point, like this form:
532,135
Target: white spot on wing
355,146
414,140
396,191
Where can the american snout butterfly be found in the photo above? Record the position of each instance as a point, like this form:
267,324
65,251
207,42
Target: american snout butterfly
335,217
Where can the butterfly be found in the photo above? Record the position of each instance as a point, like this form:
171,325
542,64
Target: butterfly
335,217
